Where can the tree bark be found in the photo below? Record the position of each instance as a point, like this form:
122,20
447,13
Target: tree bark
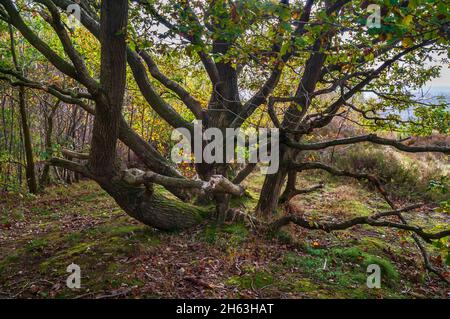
29,167
44,180
151,208
140,202
290,187
270,192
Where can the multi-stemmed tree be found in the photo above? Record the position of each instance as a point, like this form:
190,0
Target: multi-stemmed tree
305,62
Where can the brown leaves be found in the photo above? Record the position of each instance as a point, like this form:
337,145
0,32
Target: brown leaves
147,263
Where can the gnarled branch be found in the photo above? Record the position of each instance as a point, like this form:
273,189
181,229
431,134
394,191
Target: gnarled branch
373,138
217,183
70,165
363,220
193,104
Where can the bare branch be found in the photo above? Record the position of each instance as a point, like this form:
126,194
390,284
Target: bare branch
287,196
369,220
160,106
243,174
73,154
335,106
193,104
267,88
139,73
17,21
373,138
217,183
66,96
58,26
208,62
70,165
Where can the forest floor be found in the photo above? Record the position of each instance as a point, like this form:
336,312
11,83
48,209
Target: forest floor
119,258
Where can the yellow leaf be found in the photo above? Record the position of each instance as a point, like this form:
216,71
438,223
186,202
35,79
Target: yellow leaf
407,42
407,20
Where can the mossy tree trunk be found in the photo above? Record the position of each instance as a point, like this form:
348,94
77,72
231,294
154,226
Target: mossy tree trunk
152,208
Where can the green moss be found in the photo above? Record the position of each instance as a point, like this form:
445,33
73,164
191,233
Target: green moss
306,263
124,230
65,257
356,207
356,255
375,245
43,211
7,261
238,232
230,235
316,251
283,236
198,212
92,197
344,273
73,238
248,200
110,239
4,220
104,243
79,248
162,191
209,234
11,213
112,268
147,236
381,205
36,244
305,285
257,280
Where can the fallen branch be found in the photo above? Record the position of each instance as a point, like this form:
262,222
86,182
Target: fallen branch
363,220
115,294
291,194
333,171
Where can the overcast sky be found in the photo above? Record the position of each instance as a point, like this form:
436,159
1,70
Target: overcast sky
443,80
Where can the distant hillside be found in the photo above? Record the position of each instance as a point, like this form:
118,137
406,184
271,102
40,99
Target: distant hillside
431,95
437,91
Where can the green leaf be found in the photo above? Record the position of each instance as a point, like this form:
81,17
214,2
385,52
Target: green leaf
407,20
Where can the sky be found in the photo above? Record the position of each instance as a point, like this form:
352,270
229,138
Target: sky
443,82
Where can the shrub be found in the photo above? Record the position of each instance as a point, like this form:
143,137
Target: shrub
404,176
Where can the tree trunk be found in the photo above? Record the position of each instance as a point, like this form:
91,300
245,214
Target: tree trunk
29,168
152,208
44,180
140,202
271,189
270,192
290,187
151,158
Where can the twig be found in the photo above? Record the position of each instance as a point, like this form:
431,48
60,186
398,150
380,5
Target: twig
116,294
